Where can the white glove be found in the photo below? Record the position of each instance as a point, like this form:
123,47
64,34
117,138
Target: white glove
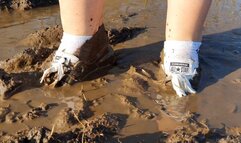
180,64
61,62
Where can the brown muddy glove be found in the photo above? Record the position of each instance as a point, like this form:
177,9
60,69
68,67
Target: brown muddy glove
61,64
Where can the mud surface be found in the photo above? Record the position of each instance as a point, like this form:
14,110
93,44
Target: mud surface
8,5
130,102
100,129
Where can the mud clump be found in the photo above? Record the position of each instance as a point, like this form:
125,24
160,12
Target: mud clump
24,4
9,85
49,37
3,112
13,117
30,60
100,129
66,119
41,111
23,71
196,131
36,135
6,115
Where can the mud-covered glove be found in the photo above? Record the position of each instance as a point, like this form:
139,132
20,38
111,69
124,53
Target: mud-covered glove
180,64
62,62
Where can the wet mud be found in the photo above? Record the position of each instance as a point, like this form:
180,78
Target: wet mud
9,5
129,102
22,71
100,129
29,64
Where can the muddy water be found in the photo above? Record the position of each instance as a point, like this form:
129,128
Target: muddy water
219,95
15,26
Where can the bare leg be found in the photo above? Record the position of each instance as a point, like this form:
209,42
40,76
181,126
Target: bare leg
81,17
185,19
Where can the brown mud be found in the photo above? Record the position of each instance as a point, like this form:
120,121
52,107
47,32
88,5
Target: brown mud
9,5
130,102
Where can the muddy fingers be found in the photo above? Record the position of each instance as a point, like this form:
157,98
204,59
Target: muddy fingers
182,85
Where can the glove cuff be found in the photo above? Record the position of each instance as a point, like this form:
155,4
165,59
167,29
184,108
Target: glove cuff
181,57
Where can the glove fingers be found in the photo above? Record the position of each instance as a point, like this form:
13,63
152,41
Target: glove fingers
47,73
181,85
178,85
189,87
60,72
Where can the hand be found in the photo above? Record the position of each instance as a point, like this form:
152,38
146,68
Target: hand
180,69
60,65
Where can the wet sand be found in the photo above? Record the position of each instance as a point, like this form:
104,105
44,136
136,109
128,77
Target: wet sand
133,89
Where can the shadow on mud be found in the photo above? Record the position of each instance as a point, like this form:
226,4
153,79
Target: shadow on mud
220,55
144,138
13,83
